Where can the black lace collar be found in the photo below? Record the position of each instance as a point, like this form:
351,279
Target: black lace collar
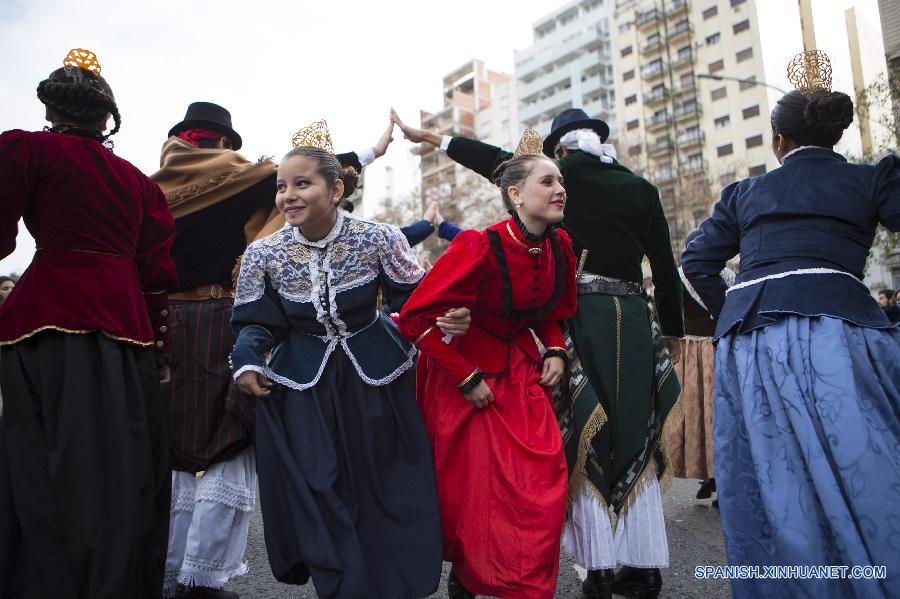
526,234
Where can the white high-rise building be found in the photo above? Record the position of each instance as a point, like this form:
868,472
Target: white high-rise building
567,66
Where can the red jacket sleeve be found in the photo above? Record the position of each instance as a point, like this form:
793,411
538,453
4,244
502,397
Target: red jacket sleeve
18,173
548,329
156,268
452,282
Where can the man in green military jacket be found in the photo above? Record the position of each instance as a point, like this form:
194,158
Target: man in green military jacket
623,384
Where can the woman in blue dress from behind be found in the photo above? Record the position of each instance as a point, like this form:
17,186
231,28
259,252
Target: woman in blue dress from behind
807,391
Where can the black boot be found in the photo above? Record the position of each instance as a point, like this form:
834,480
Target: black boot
639,583
455,588
707,488
598,584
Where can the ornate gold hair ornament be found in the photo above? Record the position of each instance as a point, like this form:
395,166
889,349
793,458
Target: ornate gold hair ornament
531,144
315,135
810,73
84,60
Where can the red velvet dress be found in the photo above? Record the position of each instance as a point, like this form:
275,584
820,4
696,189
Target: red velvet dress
501,472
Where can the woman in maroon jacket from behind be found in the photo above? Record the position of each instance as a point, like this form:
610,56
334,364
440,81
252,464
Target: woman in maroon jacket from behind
84,497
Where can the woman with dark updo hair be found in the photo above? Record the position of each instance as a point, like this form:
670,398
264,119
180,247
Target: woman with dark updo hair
807,389
84,479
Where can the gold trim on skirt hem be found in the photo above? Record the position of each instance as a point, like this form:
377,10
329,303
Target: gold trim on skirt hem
53,327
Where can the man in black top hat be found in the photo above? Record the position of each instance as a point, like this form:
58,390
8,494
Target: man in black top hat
220,202
623,381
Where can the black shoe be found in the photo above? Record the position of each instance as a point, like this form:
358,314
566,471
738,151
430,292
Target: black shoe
186,592
598,584
639,583
455,588
707,488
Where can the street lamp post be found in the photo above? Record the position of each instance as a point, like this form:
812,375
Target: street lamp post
747,81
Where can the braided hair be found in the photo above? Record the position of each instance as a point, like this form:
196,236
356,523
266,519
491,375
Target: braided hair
84,99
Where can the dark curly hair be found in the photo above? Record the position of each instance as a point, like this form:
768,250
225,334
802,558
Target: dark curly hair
329,168
813,121
82,98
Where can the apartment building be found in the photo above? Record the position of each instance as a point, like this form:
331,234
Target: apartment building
478,103
567,66
696,81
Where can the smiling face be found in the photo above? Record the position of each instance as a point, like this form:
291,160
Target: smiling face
541,195
304,198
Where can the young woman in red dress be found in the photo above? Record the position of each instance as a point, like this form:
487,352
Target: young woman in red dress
486,396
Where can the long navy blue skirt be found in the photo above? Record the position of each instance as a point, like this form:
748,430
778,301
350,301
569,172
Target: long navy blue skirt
347,487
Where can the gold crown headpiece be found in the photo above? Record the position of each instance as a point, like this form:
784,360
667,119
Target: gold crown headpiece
84,60
810,73
531,144
315,135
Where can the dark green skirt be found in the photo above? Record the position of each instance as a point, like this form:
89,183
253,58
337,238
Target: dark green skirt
623,388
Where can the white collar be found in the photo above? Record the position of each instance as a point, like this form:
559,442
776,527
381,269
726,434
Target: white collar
297,236
799,149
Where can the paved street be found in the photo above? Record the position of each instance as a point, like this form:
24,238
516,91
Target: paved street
695,538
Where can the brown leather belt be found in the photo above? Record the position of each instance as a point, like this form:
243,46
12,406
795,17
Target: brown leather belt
204,292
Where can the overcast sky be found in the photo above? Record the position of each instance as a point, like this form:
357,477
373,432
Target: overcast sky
275,65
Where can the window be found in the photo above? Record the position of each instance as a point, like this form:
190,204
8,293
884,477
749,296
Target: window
724,150
687,80
741,26
718,94
627,50
757,170
745,54
625,26
713,39
628,75
684,53
751,111
728,177
716,66
629,100
710,12
748,82
632,124
737,2
722,122
634,150
754,141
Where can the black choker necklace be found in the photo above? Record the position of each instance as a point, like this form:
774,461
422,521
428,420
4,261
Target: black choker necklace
526,234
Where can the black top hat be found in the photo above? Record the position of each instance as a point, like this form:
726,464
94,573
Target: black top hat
570,120
206,115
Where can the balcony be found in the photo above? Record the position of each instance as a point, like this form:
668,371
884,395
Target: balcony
663,176
684,88
687,111
552,104
651,46
682,31
676,8
652,71
555,77
647,20
692,167
682,60
657,122
687,139
661,147
656,96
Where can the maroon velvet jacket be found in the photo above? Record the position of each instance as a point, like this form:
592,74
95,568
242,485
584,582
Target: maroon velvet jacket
103,233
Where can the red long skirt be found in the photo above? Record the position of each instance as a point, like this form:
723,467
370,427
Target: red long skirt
501,479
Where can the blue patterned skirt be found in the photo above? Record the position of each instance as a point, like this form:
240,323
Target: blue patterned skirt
807,454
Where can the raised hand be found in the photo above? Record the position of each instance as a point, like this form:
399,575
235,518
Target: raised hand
384,141
415,135
430,212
